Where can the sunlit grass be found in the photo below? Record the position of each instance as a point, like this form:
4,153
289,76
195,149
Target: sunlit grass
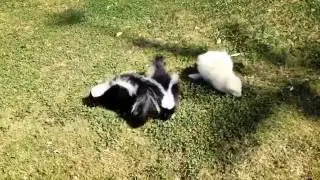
52,52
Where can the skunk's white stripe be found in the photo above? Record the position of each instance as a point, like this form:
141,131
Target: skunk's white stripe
134,106
174,80
99,89
168,101
132,89
155,104
140,100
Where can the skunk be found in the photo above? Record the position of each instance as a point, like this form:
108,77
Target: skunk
138,97
216,67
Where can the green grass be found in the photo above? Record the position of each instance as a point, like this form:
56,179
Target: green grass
52,52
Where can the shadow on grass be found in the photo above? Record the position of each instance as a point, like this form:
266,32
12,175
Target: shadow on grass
192,50
243,41
307,54
303,96
235,125
68,17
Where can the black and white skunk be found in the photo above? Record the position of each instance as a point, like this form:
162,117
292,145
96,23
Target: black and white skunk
137,97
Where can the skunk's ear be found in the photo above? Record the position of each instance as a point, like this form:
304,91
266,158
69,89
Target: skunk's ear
99,89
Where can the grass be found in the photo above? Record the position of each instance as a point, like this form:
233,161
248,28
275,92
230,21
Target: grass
53,51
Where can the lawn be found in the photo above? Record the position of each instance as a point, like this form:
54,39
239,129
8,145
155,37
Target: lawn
52,52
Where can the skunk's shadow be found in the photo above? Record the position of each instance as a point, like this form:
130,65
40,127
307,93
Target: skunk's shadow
191,50
111,103
303,96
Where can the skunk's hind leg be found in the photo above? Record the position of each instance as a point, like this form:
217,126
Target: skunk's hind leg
195,76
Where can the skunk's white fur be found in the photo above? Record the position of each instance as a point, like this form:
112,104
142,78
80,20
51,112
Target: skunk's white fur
100,89
169,99
216,67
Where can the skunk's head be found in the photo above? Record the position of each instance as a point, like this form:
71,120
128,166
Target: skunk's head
234,85
169,101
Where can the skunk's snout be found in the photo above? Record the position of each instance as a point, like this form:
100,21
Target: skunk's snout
166,114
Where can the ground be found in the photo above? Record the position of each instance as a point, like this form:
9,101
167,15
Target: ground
52,52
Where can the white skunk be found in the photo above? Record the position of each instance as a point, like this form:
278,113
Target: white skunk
216,67
137,97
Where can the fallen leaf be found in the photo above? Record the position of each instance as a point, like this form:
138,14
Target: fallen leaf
118,34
